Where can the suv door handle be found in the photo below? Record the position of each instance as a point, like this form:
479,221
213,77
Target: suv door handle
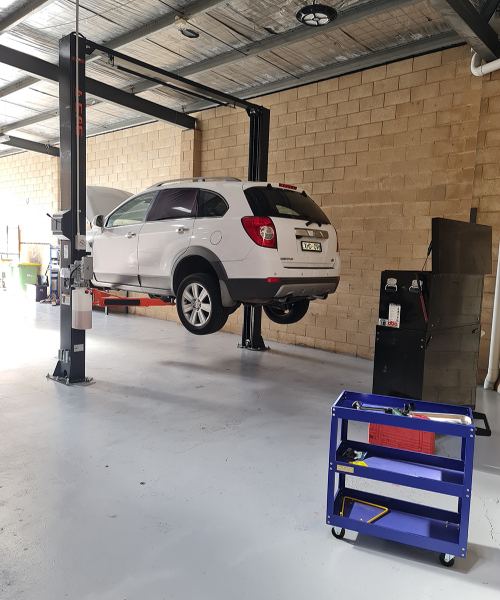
182,229
130,235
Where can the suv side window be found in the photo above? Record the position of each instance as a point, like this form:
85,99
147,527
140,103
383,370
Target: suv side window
132,212
211,204
176,203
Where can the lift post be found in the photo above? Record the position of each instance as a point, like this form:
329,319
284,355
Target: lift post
258,159
70,367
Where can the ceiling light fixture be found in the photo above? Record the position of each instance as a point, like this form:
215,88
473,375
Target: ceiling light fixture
190,33
181,26
316,15
4,138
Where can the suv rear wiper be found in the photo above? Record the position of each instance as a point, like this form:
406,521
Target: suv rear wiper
311,222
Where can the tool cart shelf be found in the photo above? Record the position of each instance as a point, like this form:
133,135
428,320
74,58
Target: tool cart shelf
388,518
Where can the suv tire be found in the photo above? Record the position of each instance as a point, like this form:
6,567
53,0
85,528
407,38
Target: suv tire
199,304
287,313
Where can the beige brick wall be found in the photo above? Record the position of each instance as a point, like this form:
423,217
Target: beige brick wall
382,151
29,189
135,158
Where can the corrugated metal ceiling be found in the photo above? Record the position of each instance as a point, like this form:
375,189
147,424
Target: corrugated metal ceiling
229,27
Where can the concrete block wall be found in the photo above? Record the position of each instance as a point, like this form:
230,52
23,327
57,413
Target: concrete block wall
382,151
133,159
29,189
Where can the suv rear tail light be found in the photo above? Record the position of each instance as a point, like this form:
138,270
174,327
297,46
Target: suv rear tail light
261,230
337,234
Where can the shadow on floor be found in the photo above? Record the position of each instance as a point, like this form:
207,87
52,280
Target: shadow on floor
477,554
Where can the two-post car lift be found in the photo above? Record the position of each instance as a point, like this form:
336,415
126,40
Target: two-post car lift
72,223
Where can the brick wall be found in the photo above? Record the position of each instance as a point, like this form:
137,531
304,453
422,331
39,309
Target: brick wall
382,151
29,188
135,158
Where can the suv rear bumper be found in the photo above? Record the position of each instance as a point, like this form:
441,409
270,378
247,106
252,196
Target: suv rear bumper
263,291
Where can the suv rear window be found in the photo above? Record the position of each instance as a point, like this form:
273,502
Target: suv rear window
287,204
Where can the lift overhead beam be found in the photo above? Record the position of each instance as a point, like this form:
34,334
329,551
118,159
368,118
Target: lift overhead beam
163,77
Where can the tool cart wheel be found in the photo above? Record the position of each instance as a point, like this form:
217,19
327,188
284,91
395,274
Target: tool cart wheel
338,533
447,560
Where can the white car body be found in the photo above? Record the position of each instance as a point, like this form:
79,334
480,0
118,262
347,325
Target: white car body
153,256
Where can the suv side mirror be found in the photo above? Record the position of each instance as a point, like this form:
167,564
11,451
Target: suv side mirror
98,221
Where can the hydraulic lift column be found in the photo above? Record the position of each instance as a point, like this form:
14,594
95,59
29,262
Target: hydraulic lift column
71,364
258,158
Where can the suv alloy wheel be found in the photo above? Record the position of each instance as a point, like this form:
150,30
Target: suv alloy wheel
199,304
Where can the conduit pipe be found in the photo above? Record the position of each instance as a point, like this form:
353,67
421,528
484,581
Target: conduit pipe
493,365
477,69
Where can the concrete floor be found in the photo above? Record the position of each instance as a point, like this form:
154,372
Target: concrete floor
194,470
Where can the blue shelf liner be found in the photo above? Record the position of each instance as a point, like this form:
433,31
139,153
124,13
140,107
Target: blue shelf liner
405,521
407,468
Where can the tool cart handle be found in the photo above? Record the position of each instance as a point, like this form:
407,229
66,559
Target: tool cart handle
486,431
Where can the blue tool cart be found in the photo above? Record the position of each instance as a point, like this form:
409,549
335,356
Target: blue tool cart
388,518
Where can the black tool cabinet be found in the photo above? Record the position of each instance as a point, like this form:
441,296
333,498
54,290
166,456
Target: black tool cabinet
430,351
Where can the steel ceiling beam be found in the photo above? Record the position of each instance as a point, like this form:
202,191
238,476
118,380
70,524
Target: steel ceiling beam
463,18
29,121
26,10
17,85
431,44
16,142
488,9
50,72
119,125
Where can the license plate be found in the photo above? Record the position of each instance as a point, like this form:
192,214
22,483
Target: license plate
311,246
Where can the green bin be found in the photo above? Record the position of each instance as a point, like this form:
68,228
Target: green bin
22,274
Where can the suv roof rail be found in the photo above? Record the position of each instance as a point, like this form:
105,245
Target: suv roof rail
160,183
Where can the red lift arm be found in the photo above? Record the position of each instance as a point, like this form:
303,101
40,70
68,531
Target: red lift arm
103,299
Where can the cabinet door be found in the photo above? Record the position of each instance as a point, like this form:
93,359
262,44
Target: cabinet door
398,368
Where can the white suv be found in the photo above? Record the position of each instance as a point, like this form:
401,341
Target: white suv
213,244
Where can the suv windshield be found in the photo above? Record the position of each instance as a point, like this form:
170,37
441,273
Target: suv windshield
287,204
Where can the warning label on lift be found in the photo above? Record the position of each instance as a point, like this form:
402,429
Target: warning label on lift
394,315
394,319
